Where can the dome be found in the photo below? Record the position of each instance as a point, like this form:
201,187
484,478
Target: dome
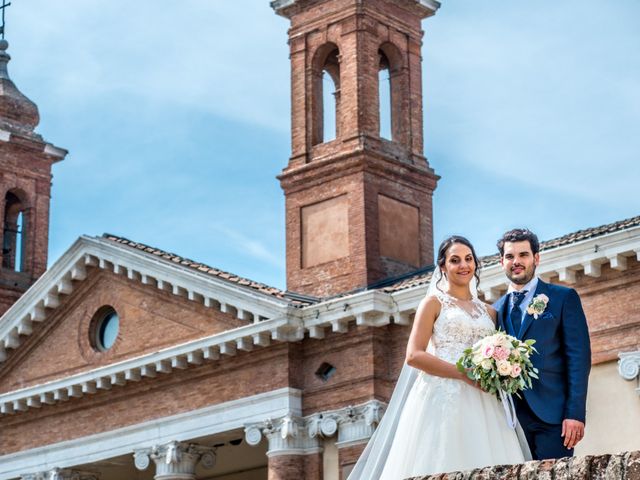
17,112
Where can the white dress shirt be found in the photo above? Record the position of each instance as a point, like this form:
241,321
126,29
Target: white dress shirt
531,290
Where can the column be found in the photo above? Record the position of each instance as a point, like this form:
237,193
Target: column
356,425
61,474
295,443
175,460
294,447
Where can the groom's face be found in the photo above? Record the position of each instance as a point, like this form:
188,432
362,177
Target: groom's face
519,262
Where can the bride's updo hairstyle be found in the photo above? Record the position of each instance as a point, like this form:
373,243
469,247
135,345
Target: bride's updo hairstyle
444,247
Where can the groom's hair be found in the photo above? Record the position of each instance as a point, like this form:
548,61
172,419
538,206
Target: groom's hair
519,235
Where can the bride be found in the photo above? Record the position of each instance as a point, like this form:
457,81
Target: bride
438,420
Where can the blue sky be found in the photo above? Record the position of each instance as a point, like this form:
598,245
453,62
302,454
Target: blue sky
176,116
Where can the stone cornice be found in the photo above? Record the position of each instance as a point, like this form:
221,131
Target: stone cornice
587,256
282,7
369,308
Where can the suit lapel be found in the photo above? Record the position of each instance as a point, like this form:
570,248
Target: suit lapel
528,319
503,307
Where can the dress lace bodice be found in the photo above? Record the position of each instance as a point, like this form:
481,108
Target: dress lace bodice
459,325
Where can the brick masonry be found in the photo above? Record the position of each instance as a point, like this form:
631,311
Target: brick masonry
623,466
302,467
358,163
612,310
25,171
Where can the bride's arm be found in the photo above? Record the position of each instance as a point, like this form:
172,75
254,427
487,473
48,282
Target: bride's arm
417,357
492,313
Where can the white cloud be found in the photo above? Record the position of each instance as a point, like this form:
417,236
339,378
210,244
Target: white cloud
210,56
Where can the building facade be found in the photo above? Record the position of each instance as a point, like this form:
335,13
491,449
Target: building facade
125,361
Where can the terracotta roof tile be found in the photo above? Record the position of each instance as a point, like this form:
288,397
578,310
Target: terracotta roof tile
214,272
421,277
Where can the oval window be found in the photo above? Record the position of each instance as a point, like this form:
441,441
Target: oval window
105,332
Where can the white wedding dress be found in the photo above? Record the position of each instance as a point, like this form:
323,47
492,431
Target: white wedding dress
444,425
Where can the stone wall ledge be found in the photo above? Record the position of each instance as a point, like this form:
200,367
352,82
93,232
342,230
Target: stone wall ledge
621,466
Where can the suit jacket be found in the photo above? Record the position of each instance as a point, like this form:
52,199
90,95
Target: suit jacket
564,353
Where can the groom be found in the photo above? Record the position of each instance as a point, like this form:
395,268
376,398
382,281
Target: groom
552,413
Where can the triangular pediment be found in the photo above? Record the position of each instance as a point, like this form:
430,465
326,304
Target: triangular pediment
50,332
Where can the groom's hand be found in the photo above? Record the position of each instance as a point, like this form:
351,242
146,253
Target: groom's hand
572,431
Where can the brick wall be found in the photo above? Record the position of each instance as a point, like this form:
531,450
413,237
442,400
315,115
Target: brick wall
612,309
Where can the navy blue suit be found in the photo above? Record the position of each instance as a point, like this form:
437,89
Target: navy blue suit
563,362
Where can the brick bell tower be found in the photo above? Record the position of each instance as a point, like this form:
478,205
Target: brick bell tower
358,188
25,185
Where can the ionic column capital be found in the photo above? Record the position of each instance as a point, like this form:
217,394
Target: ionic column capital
175,460
629,366
357,424
293,435
61,474
287,435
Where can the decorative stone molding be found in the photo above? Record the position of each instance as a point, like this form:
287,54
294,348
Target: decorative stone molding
175,460
357,424
61,474
629,366
291,435
281,6
287,435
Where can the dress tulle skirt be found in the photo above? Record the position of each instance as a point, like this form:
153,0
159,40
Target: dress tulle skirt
447,425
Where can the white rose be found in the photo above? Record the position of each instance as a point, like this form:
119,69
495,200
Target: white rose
486,364
504,368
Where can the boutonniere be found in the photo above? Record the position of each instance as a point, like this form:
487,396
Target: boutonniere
538,305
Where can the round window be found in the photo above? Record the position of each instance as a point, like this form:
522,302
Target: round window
106,324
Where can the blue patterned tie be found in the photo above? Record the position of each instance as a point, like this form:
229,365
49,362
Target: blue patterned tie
515,315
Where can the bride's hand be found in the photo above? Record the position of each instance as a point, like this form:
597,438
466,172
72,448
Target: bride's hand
468,381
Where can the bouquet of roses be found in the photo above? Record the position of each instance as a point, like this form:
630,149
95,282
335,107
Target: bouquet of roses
500,364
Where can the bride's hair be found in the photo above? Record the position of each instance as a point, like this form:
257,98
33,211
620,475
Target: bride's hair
444,246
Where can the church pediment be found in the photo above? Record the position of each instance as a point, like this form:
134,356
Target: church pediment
52,332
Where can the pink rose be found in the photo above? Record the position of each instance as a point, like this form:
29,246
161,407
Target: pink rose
487,351
516,370
500,353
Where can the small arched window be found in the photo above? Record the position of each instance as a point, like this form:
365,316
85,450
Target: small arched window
393,85
328,107
326,94
14,233
384,97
